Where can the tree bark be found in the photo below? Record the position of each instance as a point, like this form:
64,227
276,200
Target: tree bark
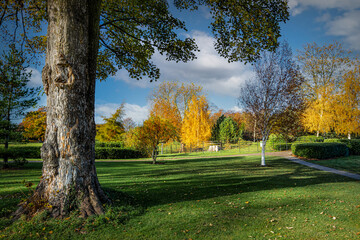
69,180
263,152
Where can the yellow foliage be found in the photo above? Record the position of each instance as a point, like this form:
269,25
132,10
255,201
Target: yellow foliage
318,116
170,101
196,126
347,104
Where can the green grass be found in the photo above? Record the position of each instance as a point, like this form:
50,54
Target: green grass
230,198
350,164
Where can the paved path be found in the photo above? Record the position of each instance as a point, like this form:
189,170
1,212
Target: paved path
287,155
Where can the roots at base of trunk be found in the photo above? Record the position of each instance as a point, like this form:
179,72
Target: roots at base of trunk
88,200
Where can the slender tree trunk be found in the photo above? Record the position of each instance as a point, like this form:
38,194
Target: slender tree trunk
255,131
154,155
349,136
69,180
263,152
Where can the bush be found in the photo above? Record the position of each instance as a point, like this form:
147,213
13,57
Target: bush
320,150
352,144
20,152
282,146
109,144
276,138
116,153
310,139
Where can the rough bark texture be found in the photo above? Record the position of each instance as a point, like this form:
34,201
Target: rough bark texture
69,179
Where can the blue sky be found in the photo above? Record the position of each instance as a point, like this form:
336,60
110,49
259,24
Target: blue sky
320,21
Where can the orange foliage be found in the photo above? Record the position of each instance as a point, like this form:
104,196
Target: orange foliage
34,124
170,101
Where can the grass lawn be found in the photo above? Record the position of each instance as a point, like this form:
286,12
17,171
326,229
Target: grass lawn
350,164
230,198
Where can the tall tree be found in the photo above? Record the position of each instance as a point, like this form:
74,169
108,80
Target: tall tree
113,128
323,68
34,124
170,100
196,127
275,88
346,106
129,32
15,96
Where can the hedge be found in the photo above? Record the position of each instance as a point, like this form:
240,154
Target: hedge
116,153
100,153
310,139
320,150
109,145
352,144
282,146
20,152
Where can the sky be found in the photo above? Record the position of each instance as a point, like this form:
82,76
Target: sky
320,21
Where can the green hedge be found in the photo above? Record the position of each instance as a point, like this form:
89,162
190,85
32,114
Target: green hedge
109,145
100,153
116,153
320,150
282,146
20,152
352,144
310,139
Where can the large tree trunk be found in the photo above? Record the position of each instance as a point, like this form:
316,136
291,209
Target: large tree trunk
69,180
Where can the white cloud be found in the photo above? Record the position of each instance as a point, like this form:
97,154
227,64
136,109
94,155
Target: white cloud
210,70
346,26
136,112
236,109
35,80
298,6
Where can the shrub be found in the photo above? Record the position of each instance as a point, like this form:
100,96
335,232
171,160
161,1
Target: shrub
116,153
320,150
20,152
276,138
352,144
109,144
310,139
282,146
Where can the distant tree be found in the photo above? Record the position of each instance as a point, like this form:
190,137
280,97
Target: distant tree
128,124
346,106
289,123
229,131
275,88
34,124
15,96
323,68
215,130
113,128
170,100
154,131
196,127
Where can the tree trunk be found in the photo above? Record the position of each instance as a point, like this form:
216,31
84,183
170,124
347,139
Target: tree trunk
69,180
154,155
263,153
349,136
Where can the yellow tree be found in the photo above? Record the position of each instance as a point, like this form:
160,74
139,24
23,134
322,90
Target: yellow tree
196,127
170,101
322,67
318,116
347,104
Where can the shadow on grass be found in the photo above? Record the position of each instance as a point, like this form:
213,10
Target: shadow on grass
189,180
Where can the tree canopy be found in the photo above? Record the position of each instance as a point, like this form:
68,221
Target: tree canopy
131,31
